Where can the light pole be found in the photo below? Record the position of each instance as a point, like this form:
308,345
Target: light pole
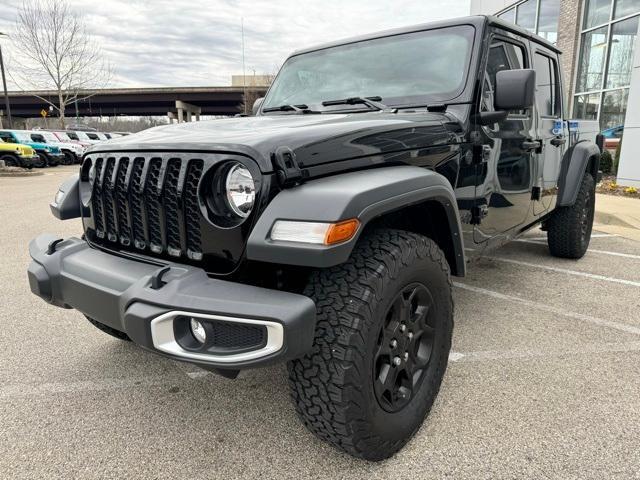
4,84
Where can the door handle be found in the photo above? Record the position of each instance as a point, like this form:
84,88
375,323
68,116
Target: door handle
557,141
530,145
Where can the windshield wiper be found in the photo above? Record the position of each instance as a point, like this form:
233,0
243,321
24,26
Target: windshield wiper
288,108
373,102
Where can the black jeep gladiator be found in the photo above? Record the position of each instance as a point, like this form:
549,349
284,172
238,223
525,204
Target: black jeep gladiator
323,230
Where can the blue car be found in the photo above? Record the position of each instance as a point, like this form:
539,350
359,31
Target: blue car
50,155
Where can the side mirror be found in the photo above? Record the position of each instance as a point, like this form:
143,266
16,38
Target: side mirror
256,105
515,89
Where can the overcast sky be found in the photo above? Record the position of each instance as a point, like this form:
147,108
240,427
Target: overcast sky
198,42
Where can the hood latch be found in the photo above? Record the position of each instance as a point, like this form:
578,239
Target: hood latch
287,167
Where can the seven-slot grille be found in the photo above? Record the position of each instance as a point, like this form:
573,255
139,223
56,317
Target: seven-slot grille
148,204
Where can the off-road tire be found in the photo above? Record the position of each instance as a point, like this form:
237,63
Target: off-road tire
569,228
10,160
69,158
108,330
332,387
44,162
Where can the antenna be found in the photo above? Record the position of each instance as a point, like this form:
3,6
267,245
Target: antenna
244,75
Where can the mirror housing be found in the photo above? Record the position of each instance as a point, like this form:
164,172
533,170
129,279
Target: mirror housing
256,105
515,89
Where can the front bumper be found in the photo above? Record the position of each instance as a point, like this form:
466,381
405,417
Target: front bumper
146,301
29,161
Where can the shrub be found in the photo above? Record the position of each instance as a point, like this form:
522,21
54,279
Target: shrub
606,162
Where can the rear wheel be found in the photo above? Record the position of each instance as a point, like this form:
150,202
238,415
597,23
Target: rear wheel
383,335
569,228
108,330
10,160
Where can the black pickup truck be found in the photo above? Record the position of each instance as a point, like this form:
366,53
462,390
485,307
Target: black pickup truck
323,230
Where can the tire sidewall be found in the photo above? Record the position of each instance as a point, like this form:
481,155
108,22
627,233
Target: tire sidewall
402,424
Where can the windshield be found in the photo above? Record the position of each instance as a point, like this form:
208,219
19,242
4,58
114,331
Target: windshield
62,136
48,136
412,68
23,137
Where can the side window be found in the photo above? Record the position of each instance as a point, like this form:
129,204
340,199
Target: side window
38,138
547,87
502,56
7,137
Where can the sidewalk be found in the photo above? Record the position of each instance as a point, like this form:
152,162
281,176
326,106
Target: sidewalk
618,215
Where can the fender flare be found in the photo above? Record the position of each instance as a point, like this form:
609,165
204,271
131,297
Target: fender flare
364,195
574,165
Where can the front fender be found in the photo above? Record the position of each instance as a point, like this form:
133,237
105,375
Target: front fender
364,195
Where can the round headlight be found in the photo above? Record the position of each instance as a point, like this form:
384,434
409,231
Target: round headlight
240,190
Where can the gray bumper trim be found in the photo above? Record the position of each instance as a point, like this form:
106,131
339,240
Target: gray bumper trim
118,292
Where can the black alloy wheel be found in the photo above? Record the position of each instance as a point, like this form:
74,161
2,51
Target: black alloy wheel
404,348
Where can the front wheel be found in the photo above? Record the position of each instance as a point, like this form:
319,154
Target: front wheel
383,335
69,158
569,228
43,160
10,161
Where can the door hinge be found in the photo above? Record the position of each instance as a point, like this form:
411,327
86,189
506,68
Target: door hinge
478,213
286,166
481,154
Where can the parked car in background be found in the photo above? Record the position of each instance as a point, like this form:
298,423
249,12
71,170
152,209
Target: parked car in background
83,137
18,155
612,137
72,151
66,138
50,155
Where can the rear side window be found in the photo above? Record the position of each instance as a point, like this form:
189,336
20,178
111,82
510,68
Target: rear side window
547,86
93,136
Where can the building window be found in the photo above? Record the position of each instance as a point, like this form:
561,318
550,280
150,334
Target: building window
608,38
537,16
548,19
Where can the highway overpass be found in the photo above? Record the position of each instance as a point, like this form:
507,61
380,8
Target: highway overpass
135,101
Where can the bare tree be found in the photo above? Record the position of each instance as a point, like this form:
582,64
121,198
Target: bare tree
55,52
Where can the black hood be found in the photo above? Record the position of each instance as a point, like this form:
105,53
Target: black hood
314,138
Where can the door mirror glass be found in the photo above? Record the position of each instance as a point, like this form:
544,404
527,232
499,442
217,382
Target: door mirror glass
256,105
515,89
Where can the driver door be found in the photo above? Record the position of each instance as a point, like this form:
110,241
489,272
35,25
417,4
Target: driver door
503,192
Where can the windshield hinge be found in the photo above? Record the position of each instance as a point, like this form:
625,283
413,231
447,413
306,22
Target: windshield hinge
287,167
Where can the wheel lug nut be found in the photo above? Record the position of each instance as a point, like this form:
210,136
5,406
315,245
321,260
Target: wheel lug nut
410,335
403,327
397,361
394,343
406,356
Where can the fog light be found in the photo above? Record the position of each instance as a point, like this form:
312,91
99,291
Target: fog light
197,329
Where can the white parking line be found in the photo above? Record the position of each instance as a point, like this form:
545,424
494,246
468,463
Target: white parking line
593,235
591,250
489,355
548,308
593,276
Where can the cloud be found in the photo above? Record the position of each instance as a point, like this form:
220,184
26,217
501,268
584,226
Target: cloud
198,42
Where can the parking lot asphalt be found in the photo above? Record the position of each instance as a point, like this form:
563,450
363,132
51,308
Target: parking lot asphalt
543,380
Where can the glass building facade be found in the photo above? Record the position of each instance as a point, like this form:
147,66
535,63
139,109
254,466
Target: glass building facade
538,16
609,30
